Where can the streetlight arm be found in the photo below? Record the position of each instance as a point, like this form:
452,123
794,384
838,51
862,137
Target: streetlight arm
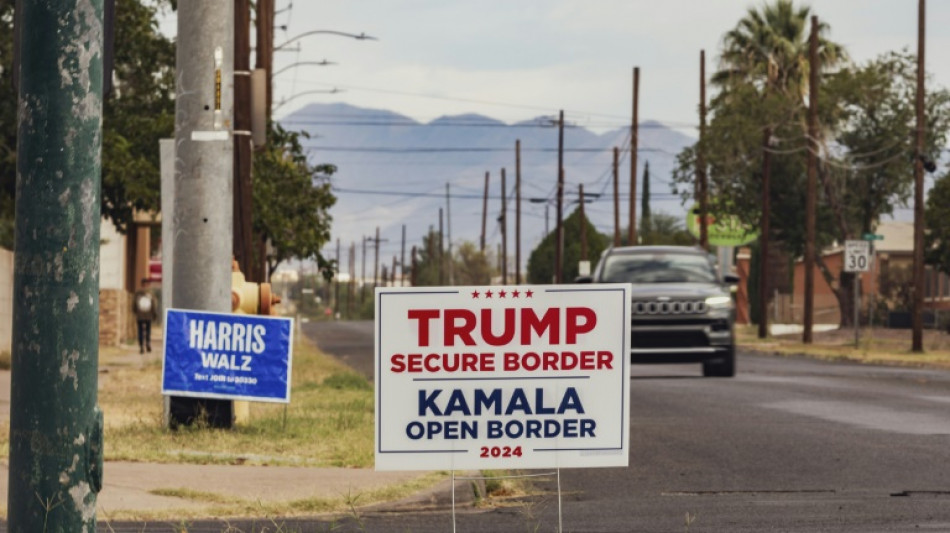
361,36
304,93
299,63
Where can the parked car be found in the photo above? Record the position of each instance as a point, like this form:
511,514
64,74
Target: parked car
682,312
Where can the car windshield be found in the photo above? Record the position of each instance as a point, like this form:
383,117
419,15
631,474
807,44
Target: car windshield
658,268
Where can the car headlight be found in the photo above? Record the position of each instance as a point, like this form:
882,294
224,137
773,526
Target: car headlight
719,302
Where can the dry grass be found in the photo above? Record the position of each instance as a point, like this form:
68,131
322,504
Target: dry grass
329,421
878,346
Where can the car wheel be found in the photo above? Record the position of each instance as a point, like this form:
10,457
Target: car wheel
721,368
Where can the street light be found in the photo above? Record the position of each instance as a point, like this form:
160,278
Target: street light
360,37
323,63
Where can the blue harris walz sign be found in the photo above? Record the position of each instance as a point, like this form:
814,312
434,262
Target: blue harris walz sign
218,355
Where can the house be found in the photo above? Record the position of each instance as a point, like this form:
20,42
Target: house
892,264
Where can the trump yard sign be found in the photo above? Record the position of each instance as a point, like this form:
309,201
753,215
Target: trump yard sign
495,377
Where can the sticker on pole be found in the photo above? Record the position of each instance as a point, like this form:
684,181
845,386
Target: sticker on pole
471,378
227,356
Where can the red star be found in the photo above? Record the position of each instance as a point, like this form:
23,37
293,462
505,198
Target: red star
501,294
488,294
474,294
515,294
528,294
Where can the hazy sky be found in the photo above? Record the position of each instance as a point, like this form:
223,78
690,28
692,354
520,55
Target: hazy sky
517,59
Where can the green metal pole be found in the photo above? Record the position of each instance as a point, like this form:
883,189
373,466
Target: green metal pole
55,424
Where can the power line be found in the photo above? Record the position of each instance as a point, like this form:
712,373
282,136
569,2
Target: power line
457,149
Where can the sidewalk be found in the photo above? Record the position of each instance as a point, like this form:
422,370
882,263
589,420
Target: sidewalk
128,487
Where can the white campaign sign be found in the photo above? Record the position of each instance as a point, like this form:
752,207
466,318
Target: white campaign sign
857,256
471,378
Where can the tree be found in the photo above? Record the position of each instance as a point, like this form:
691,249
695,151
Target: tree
140,111
937,238
541,261
646,225
427,264
291,201
470,265
768,49
866,153
8,126
668,229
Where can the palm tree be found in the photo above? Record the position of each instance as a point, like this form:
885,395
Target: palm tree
769,49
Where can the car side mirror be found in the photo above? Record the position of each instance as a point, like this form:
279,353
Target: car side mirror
584,279
731,279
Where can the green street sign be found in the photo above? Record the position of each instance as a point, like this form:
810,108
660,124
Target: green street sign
723,230
872,237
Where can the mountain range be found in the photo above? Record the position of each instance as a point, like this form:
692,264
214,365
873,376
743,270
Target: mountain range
394,171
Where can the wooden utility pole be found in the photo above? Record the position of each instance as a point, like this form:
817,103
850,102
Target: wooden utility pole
484,214
917,321
264,49
402,259
413,273
336,289
350,296
616,169
559,243
518,212
634,132
363,273
441,250
764,237
392,273
243,235
701,183
583,225
503,219
448,228
376,260
264,60
811,194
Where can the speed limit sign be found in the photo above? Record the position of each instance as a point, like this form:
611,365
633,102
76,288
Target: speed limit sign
857,256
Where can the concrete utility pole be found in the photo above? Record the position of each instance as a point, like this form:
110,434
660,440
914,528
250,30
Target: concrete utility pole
55,425
559,243
917,321
811,195
634,133
518,212
701,183
203,214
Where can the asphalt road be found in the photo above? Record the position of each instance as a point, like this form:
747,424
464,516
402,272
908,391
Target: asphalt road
790,444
